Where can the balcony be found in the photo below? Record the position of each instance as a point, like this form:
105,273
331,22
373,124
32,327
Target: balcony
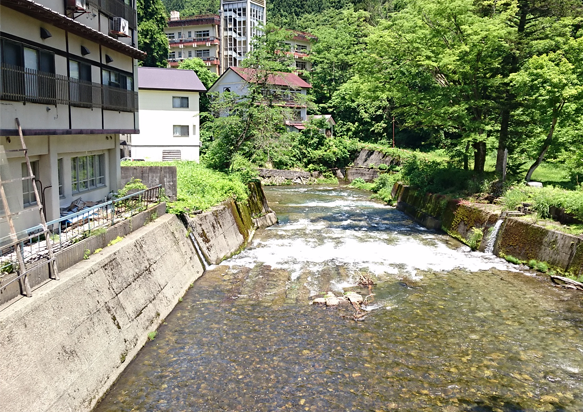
116,8
193,40
26,85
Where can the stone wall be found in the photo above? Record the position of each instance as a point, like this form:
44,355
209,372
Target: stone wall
152,176
516,237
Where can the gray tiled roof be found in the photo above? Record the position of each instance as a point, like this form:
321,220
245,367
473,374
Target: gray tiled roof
169,79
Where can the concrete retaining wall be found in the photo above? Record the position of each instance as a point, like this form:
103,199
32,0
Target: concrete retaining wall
152,176
226,229
63,348
516,237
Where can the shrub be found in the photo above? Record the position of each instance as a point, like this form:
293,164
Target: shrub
512,259
383,166
361,184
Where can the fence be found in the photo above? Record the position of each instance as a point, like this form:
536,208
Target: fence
69,230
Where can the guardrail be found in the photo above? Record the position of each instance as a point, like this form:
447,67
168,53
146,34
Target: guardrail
69,230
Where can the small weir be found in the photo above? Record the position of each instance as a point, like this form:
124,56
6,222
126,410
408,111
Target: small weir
446,329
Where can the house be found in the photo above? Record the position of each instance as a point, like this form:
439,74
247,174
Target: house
196,36
283,85
68,73
300,45
169,115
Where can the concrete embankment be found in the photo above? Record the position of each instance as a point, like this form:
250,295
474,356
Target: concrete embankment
516,237
63,348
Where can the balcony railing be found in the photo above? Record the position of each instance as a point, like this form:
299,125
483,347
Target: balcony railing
192,40
179,59
26,85
116,8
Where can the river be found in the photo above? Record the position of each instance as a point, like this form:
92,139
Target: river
446,329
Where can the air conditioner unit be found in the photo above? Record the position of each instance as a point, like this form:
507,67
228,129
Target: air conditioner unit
208,44
120,27
76,5
208,63
181,46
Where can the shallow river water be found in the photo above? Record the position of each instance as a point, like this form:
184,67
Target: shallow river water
447,329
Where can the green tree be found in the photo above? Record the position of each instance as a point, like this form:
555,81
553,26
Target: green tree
199,67
152,21
550,90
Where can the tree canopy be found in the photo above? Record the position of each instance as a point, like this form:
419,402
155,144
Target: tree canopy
152,21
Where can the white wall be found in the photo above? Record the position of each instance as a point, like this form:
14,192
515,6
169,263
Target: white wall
157,118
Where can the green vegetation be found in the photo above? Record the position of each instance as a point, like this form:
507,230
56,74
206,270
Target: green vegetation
152,335
96,251
86,254
512,259
152,20
114,241
361,184
475,238
541,200
200,188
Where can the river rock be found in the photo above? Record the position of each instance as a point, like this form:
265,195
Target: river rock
319,301
332,301
354,297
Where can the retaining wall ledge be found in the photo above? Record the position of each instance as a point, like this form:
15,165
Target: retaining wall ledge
516,237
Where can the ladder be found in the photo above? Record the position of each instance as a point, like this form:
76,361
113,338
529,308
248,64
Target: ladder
22,268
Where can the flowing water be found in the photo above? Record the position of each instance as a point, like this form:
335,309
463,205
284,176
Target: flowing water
447,329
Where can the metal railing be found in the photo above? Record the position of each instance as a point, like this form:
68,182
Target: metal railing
68,230
192,40
27,85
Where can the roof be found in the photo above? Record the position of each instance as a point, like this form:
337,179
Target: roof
43,13
159,78
304,36
327,117
276,79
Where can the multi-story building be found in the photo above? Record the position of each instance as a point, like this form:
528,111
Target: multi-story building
68,74
300,45
241,21
196,36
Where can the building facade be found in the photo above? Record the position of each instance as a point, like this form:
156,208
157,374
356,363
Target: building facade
69,73
169,115
223,40
196,36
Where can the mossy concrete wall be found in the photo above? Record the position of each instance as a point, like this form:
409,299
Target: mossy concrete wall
226,229
516,237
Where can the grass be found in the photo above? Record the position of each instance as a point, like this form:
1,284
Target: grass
200,188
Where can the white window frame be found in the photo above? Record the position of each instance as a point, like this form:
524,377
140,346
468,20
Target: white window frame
180,102
28,196
87,172
180,131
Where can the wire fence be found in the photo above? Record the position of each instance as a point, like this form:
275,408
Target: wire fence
68,230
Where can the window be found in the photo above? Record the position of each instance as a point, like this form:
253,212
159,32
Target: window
301,65
302,49
170,36
172,55
87,172
80,88
189,34
28,73
179,102
189,53
203,53
28,197
180,131
202,34
180,55
116,96
179,34
60,174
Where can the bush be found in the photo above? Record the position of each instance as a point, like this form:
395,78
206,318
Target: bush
542,199
361,184
475,238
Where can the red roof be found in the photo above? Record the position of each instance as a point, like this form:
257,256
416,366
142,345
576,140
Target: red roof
302,35
276,79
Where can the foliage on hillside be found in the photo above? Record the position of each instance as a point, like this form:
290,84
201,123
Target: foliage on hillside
152,20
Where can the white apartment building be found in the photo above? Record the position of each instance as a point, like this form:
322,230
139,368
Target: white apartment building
169,115
300,45
196,36
69,75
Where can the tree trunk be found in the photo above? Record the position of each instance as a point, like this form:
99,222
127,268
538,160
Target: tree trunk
466,157
544,149
479,157
502,141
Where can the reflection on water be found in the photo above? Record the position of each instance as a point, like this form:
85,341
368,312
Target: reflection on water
448,329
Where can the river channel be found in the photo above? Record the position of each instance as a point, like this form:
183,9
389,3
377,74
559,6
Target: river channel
446,329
